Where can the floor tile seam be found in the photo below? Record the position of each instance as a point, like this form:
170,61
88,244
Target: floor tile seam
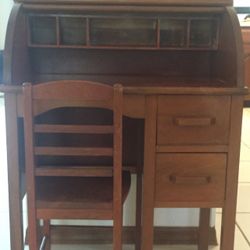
244,143
242,233
244,161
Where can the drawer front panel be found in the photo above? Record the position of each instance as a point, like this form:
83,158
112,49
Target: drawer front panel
246,35
189,120
190,177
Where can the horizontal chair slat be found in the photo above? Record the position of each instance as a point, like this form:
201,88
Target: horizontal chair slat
73,151
104,171
77,129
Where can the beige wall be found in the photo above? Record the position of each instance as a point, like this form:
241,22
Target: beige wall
5,7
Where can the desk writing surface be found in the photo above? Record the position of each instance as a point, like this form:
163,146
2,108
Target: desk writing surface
133,2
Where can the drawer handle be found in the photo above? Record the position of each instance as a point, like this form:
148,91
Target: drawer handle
193,121
197,180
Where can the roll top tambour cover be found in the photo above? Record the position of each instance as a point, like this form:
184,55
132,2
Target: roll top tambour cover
133,2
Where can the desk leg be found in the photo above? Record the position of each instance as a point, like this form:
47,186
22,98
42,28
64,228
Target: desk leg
149,173
138,211
15,198
204,229
229,209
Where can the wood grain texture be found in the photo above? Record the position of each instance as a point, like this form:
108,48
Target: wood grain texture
14,172
68,191
65,234
193,120
132,2
204,226
149,173
190,177
30,168
229,208
246,44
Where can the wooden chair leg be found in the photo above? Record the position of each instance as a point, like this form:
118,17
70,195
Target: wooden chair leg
46,232
204,225
117,230
33,234
138,211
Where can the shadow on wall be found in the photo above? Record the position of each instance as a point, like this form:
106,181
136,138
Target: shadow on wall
1,66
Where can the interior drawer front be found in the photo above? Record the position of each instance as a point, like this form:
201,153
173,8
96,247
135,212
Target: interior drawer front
245,35
193,120
185,177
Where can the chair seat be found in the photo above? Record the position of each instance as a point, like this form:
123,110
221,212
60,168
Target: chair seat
78,192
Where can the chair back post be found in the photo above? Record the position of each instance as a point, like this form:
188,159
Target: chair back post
117,160
30,161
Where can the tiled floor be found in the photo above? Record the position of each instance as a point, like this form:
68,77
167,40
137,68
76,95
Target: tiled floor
242,234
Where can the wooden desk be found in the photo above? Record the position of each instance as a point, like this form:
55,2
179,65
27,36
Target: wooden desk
188,89
246,43
178,174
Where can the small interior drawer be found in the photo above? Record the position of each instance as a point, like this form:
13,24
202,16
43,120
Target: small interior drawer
246,49
246,35
186,120
190,177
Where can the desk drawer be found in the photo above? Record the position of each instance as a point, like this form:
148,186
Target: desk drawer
185,120
190,177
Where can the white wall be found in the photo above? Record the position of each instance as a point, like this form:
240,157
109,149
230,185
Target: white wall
5,7
242,3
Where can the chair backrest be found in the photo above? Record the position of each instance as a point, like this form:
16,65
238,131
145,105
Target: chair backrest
42,98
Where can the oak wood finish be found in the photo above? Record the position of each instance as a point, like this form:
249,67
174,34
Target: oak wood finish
246,43
193,120
62,234
229,211
189,177
132,2
196,75
204,225
73,197
149,173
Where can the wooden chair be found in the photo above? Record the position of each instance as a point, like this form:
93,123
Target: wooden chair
66,189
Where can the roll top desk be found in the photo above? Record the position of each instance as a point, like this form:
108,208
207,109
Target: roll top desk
181,66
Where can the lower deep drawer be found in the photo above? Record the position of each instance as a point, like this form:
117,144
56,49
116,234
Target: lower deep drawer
190,177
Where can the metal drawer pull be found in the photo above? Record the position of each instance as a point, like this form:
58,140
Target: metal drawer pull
197,180
193,121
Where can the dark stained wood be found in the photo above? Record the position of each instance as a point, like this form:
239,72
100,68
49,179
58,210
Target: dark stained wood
66,195
47,231
148,191
190,177
30,170
62,234
189,149
95,129
193,120
229,208
118,182
14,173
132,2
74,171
246,43
204,226
16,50
70,151
179,75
